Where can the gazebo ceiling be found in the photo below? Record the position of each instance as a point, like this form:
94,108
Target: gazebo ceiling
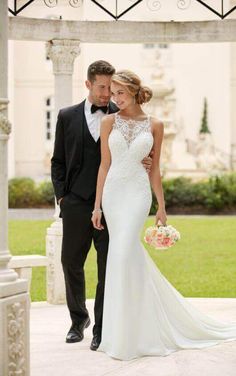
221,10
34,29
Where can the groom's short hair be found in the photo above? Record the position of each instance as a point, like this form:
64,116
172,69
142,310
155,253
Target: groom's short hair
99,67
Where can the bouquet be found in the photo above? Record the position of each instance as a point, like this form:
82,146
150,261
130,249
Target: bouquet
161,237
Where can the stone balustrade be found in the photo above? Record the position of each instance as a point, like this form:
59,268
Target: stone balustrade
23,265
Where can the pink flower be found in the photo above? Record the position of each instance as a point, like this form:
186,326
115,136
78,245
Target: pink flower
161,237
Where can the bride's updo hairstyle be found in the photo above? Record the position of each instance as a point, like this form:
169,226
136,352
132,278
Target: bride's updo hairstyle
132,82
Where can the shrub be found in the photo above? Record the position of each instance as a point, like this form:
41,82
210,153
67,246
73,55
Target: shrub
221,192
218,193
46,193
178,192
22,193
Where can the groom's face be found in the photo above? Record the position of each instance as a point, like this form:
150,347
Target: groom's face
99,90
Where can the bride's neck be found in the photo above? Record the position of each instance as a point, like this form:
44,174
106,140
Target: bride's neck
132,111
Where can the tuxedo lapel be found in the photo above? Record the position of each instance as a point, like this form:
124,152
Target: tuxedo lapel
79,123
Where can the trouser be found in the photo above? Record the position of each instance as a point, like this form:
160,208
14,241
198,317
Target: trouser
78,233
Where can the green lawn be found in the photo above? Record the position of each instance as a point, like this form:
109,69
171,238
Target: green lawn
202,264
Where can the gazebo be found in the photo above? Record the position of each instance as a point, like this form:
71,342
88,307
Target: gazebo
63,40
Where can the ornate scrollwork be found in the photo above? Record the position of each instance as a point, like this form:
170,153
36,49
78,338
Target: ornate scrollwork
153,5
50,3
63,52
16,339
5,125
183,4
76,3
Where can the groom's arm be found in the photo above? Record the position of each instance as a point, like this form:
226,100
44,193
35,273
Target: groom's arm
58,161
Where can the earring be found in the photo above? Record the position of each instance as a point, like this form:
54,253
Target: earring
134,100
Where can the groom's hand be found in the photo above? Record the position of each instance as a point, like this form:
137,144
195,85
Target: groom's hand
147,162
60,200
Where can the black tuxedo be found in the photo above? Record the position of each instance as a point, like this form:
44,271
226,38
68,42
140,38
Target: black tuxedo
74,168
67,158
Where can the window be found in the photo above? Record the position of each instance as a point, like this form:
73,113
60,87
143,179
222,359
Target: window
49,118
149,46
163,45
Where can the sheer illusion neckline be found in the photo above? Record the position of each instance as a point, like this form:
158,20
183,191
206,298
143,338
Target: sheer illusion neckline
130,128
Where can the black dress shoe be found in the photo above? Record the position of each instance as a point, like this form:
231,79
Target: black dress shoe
95,342
76,332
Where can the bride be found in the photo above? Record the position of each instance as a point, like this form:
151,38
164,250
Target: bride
143,313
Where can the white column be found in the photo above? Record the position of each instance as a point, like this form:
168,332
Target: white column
233,108
14,299
62,54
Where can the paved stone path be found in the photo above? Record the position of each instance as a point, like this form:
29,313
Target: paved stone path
51,356
36,214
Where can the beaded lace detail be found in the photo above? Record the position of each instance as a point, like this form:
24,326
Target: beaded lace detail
130,129
129,142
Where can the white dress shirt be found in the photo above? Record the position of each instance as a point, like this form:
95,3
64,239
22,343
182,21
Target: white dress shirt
93,120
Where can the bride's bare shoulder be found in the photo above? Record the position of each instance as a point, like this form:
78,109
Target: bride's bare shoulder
108,121
157,125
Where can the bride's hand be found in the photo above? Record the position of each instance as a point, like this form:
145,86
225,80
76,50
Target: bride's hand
161,217
96,219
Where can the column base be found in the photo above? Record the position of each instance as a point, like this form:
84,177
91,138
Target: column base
12,288
8,275
14,329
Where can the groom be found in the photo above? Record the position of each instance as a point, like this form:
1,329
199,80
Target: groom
74,169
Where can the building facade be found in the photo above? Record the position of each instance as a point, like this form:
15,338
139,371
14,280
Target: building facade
191,72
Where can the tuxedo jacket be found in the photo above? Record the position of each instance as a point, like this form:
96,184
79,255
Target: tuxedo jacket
67,159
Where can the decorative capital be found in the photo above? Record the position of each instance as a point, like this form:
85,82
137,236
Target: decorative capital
5,125
63,52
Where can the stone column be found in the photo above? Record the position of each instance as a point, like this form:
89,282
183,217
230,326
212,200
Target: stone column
14,299
233,109
62,53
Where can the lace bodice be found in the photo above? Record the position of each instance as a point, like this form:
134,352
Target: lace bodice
129,142
130,129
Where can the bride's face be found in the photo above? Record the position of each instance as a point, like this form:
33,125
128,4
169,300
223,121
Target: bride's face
121,96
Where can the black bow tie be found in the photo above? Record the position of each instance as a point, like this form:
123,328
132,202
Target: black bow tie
94,108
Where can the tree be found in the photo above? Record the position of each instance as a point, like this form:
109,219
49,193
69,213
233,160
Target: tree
204,122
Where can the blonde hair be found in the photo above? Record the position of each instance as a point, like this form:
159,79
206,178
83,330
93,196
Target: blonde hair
132,82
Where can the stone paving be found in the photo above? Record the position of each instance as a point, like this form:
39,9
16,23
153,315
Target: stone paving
38,214
28,214
51,356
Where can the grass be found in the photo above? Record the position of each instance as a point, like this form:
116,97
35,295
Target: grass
202,264
28,238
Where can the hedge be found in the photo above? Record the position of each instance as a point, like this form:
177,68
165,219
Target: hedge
214,195
182,195
24,193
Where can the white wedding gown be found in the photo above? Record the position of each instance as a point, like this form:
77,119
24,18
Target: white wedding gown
143,313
